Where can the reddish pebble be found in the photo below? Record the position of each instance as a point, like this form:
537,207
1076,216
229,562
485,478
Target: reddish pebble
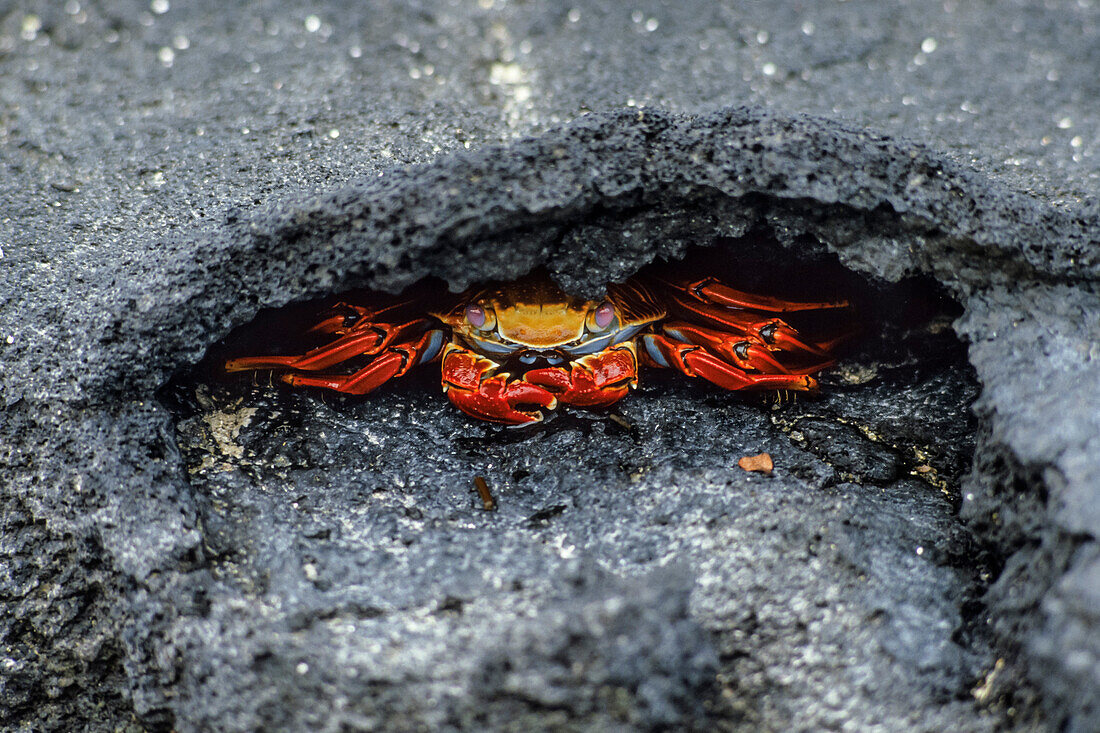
761,462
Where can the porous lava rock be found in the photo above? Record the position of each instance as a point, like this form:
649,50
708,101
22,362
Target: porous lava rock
182,553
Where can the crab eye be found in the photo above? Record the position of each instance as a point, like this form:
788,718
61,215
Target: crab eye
603,315
475,314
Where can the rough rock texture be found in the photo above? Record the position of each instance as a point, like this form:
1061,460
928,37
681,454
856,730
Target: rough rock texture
180,553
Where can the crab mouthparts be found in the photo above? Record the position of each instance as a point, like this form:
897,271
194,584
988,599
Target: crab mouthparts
528,359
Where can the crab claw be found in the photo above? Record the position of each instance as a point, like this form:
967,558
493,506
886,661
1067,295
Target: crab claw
473,386
498,400
595,380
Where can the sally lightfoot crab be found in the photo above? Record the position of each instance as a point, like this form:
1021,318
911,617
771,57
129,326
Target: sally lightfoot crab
510,352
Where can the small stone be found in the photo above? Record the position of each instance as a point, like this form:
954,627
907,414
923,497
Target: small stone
761,463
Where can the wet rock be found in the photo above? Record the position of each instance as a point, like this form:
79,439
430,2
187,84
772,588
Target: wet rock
634,644
850,452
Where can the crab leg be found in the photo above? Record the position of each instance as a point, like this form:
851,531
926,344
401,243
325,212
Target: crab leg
710,290
696,361
344,318
378,372
394,362
742,351
366,340
767,332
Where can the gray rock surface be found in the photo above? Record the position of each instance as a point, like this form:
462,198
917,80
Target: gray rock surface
186,553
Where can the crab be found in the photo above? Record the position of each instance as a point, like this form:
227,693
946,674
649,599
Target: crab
513,352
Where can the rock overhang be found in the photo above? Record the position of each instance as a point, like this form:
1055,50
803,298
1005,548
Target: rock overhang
888,208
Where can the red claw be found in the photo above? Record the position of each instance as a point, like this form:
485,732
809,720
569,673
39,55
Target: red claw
498,400
598,380
473,387
555,379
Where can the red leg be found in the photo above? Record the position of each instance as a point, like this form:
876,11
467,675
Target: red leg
379,371
396,348
715,304
767,332
749,353
320,358
737,349
365,339
395,361
710,290
473,385
342,318
696,361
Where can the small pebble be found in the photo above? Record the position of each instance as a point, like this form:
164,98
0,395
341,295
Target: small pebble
761,463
